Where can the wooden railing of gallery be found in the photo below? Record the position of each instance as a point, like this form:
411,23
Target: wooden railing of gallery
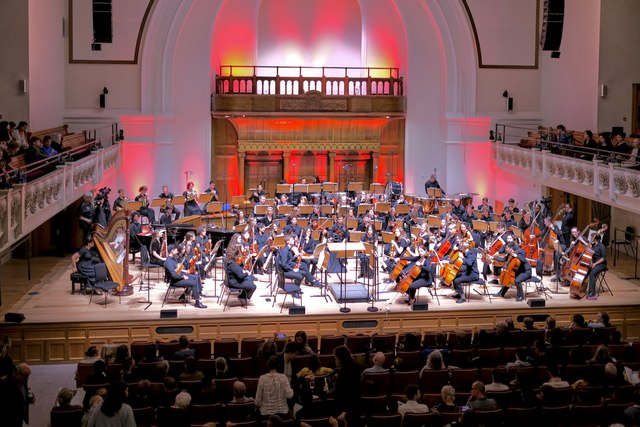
67,341
329,81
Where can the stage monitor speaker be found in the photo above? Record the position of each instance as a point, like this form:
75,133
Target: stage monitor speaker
297,310
552,23
168,314
535,302
14,317
420,306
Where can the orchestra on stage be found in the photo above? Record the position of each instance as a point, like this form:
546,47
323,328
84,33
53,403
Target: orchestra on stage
441,241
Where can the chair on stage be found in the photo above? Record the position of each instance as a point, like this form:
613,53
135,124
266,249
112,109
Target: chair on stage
536,280
227,290
103,283
280,284
80,279
146,266
629,232
601,282
171,287
480,282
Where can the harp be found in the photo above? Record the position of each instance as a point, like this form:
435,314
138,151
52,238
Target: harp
112,244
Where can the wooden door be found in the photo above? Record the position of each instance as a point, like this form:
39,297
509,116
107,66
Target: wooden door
267,172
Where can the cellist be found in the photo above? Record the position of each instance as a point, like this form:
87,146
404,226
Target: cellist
424,279
468,272
598,264
521,270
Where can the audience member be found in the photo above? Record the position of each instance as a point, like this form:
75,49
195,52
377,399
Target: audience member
601,321
434,362
240,393
554,378
113,411
378,361
497,384
191,372
300,340
448,404
19,135
34,153
185,351
273,391
47,149
412,393
477,400
347,391
94,403
63,401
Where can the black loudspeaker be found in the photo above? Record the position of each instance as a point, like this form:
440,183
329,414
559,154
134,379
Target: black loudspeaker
552,23
535,302
103,100
14,317
168,314
420,306
297,310
509,104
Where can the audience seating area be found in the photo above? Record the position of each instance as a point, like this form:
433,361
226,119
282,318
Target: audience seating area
579,354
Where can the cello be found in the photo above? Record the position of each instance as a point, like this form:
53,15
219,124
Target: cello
412,275
548,251
450,271
508,273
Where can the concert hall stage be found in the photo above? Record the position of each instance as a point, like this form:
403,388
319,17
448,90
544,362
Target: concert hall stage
58,326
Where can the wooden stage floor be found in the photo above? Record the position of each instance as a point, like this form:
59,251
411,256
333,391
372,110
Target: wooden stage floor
47,303
47,298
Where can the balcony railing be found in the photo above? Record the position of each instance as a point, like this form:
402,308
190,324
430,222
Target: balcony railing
26,206
329,81
604,180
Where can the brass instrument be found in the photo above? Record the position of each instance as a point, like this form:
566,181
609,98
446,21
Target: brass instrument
120,207
190,195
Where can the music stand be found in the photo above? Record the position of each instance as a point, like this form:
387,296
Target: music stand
493,226
326,210
160,203
177,200
329,187
305,209
382,207
352,223
283,188
282,209
355,236
300,188
376,188
342,250
314,188
445,209
238,228
433,221
363,208
260,210
387,237
402,209
479,225
131,206
369,251
354,187
435,193
303,222
516,231
205,197
214,207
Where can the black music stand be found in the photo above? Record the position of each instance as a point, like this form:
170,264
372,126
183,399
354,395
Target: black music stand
374,273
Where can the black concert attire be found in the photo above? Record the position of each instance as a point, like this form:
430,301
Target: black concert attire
169,198
261,239
86,211
500,256
599,253
267,220
509,222
309,247
118,203
468,272
88,258
544,234
591,146
191,206
296,230
365,267
482,206
145,210
337,233
432,184
424,279
523,273
286,261
469,218
201,244
135,228
240,279
214,198
523,224
568,222
459,211
156,246
391,222
192,282
403,243
255,197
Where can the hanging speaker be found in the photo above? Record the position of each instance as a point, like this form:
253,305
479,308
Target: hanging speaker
552,23
103,100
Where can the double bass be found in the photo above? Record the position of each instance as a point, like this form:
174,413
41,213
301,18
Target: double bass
530,244
547,253
581,265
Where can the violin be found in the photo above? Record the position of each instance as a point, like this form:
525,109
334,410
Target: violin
194,259
180,266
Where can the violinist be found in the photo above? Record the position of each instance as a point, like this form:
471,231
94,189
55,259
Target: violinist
292,227
371,238
410,221
191,206
364,222
118,203
166,194
255,196
269,217
145,210
283,200
467,234
598,264
425,278
286,261
308,247
204,245
179,278
401,200
261,239
469,216
468,272
192,255
522,272
157,257
395,249
240,218
499,258
391,220
239,277
338,232
457,209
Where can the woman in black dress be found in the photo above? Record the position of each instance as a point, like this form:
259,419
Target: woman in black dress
84,260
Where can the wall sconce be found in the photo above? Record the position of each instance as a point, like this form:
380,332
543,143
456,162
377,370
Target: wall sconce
103,97
505,94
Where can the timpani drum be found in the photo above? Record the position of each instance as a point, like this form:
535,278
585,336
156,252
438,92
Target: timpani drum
392,190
